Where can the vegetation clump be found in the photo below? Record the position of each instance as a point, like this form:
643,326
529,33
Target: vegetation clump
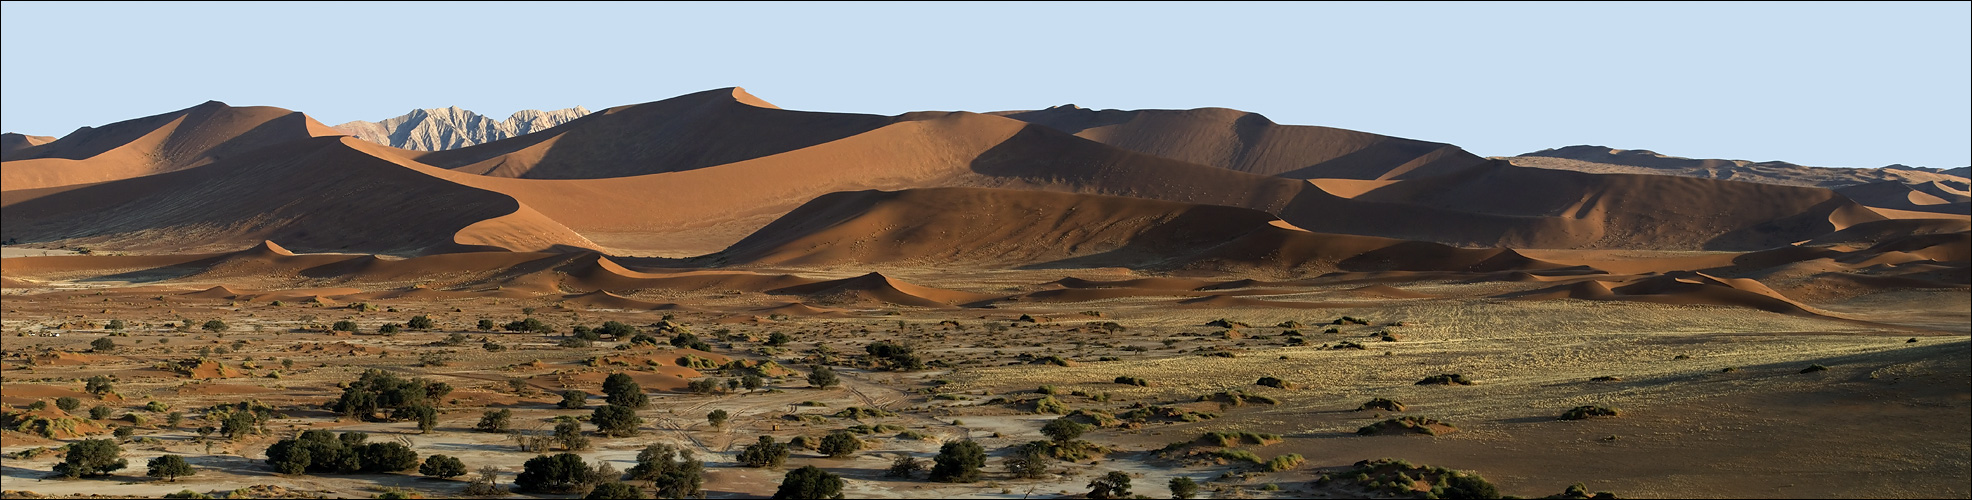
322,451
1419,425
91,457
1586,412
1234,438
810,482
1381,404
958,462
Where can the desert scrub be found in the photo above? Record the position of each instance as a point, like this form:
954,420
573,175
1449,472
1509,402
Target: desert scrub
1129,380
1050,405
1238,455
1273,382
1445,379
1381,404
1585,412
1419,425
1285,462
1234,438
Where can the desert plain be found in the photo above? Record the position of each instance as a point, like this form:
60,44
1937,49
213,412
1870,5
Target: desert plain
1209,295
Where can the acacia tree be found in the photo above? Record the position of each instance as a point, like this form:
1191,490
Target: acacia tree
614,421
958,462
92,457
169,468
442,466
810,482
621,390
822,377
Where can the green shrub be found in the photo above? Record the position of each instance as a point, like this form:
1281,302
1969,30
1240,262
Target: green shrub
1284,462
91,457
441,466
839,444
1136,381
1050,405
810,482
495,420
958,462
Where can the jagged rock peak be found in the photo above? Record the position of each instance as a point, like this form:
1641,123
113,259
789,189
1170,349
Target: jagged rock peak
439,129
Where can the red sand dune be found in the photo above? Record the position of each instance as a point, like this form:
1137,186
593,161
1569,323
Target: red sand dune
317,194
1932,197
1683,288
875,287
803,310
1251,143
178,140
606,300
998,227
692,131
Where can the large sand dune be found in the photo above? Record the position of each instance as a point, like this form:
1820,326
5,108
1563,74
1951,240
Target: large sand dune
321,194
688,132
1249,142
178,140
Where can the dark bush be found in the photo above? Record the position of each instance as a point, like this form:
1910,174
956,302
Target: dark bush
621,390
68,404
169,468
958,462
441,466
495,420
840,444
561,473
809,482
615,421
672,471
1115,484
822,376
614,491
764,454
573,399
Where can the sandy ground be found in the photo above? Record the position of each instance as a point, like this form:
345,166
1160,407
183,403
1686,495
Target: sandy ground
1889,418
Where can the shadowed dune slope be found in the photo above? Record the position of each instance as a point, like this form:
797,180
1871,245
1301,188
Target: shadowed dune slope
688,132
11,142
1599,159
1947,198
178,140
877,288
987,227
1499,204
1249,142
321,194
999,227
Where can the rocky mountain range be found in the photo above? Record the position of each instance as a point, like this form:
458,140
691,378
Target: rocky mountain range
451,128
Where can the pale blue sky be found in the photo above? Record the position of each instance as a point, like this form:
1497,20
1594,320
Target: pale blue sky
1830,84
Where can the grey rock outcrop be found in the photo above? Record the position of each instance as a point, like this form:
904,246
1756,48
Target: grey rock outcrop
452,128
